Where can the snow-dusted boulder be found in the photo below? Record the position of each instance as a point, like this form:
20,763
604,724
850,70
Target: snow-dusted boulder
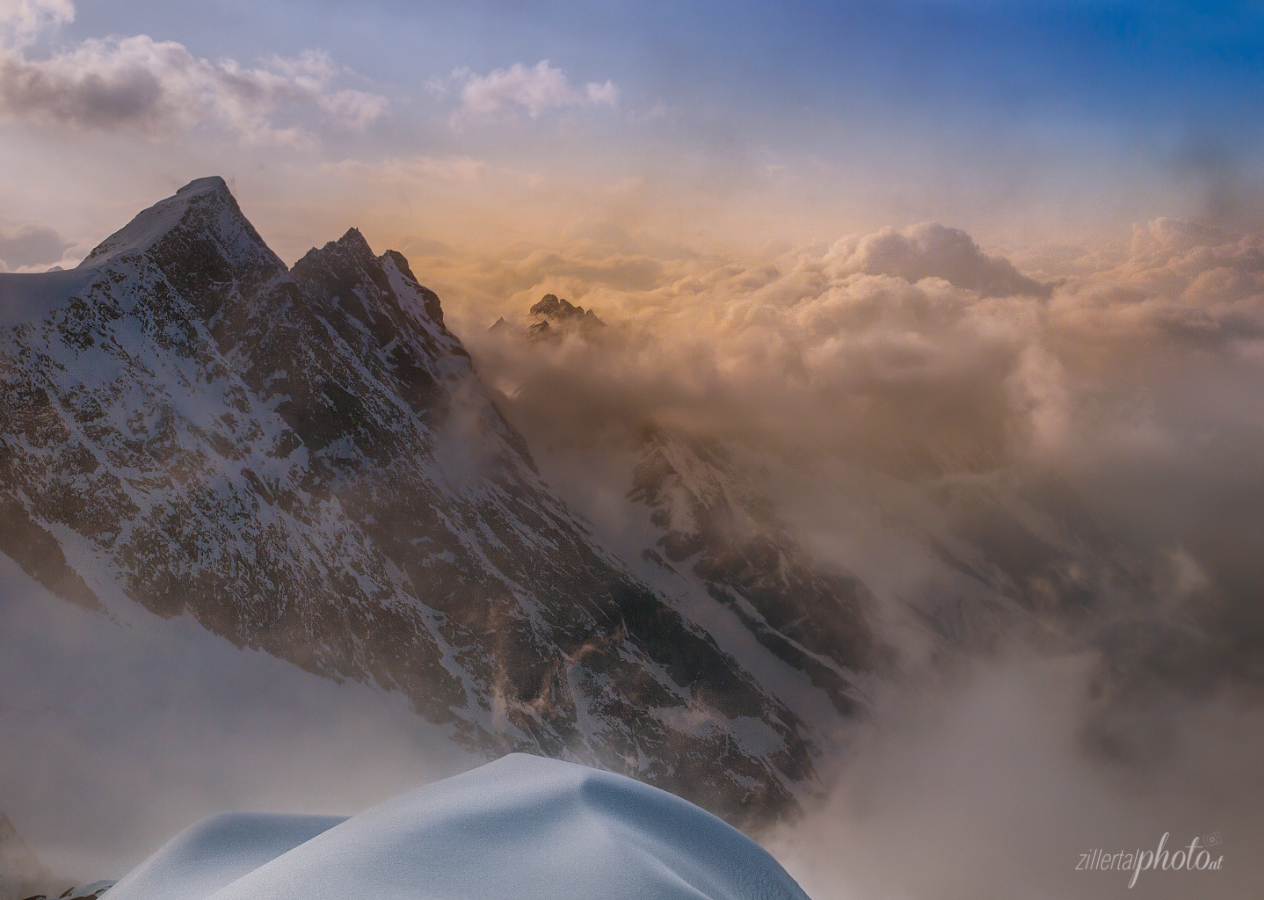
522,827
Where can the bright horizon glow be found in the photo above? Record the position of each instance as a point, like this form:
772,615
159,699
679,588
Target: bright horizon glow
723,129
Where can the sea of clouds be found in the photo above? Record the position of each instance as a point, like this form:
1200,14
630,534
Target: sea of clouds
866,379
873,377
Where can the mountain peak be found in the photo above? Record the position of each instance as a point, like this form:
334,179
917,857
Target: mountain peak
306,463
353,247
557,318
210,184
354,240
205,208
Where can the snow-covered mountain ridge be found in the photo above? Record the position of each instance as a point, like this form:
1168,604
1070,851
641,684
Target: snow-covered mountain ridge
518,827
305,461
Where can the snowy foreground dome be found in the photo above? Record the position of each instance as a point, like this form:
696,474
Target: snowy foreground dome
522,827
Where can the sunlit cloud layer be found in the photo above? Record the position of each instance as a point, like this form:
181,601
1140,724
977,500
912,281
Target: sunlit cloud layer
896,333
878,375
930,359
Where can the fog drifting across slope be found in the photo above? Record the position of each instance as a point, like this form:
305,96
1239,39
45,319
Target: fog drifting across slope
980,788
876,377
915,354
117,734
903,360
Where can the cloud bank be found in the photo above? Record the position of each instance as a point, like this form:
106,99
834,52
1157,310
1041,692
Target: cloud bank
158,87
1116,410
901,336
30,245
905,391
978,788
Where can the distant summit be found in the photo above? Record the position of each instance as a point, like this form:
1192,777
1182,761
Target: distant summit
550,307
553,319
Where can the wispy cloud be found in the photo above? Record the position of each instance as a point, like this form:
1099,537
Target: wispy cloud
354,109
22,20
537,89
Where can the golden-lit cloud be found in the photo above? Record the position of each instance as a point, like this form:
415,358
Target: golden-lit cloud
876,340
1135,384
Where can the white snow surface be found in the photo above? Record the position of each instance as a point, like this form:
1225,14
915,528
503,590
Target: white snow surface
30,297
522,827
154,223
217,851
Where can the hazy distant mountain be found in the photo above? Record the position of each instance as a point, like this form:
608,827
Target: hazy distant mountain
305,461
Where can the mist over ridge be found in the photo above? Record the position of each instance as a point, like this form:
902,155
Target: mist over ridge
1005,463
1048,482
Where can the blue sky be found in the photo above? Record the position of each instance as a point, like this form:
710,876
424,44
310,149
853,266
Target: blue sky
800,119
1143,63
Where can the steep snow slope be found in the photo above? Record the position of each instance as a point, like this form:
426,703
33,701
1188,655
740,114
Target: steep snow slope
521,827
307,463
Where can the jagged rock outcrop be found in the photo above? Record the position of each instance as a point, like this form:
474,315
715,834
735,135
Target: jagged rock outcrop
550,307
305,461
555,319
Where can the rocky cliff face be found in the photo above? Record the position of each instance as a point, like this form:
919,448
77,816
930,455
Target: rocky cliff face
306,462
715,522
